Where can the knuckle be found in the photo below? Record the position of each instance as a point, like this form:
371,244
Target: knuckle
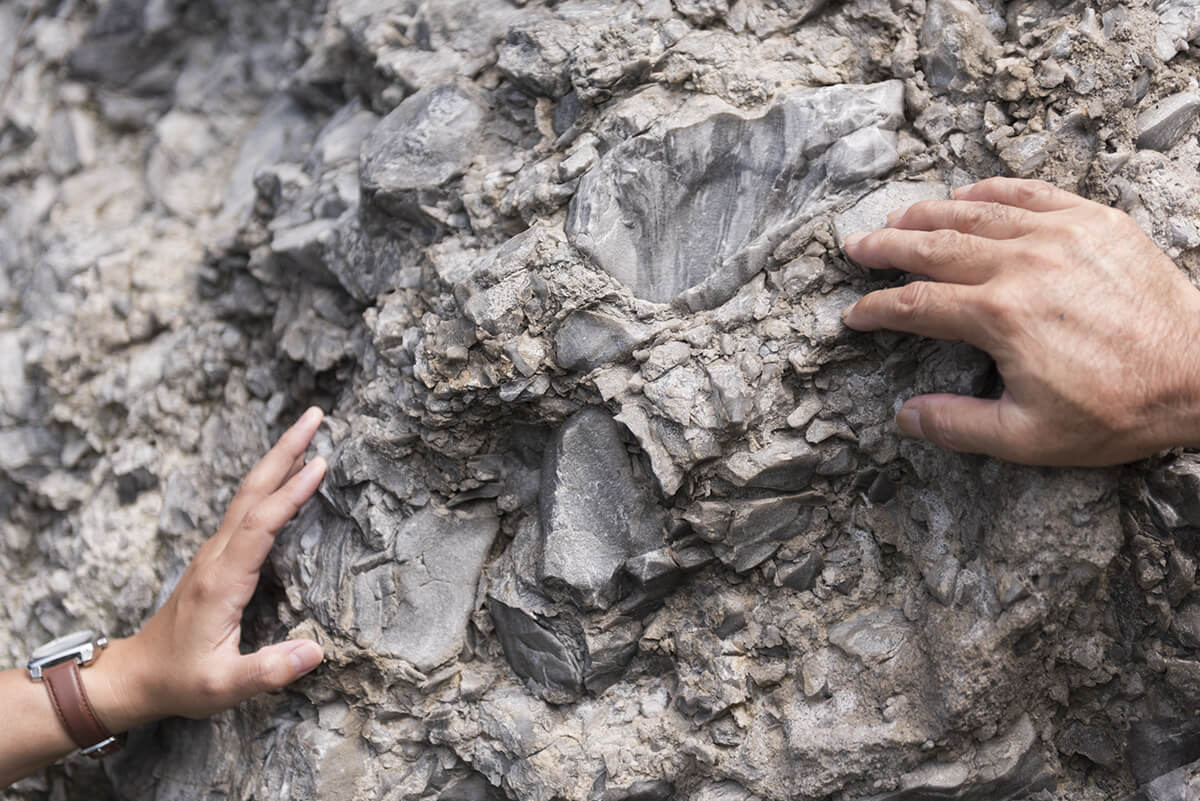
1116,219
922,209
991,214
253,521
214,686
912,300
940,247
939,430
1038,188
206,585
995,311
252,484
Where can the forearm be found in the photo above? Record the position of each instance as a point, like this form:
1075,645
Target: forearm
31,736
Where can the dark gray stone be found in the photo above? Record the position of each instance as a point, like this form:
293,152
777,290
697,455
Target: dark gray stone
586,340
594,514
747,533
1162,125
551,661
801,574
411,159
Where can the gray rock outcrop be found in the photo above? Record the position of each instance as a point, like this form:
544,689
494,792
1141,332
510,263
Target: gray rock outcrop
616,506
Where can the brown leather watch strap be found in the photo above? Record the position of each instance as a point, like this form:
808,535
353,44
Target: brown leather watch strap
71,704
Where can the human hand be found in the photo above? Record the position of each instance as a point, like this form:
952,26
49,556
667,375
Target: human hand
186,660
1093,328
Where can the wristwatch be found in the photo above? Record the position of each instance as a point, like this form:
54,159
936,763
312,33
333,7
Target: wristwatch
56,664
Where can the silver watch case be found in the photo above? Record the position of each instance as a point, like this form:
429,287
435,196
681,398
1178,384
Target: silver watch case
82,646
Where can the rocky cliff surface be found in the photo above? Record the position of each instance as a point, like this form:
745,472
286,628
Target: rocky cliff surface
616,509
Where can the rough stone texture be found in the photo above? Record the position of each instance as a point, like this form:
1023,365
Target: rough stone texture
692,210
616,507
1164,123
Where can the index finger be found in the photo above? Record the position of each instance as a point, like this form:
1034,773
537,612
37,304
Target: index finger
251,540
1020,192
925,308
274,469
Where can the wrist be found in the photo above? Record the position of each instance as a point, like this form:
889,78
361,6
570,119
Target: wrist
1187,428
121,686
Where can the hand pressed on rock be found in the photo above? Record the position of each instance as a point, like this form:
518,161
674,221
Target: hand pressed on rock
186,661
194,639
1093,328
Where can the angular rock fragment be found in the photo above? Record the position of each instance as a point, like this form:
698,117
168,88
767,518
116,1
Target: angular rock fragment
802,574
412,157
786,464
410,601
1178,25
594,514
1181,784
551,660
747,533
866,153
957,48
586,340
536,55
873,636
870,212
689,211
1025,154
1162,125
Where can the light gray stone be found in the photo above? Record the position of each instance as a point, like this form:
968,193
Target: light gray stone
957,48
870,212
734,184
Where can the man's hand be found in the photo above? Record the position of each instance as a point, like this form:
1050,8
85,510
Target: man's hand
186,660
1094,330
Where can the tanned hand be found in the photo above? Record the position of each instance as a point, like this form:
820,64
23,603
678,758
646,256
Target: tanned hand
1094,330
186,660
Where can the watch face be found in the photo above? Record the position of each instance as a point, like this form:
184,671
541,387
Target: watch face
66,642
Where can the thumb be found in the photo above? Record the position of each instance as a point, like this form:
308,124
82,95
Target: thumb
275,666
956,422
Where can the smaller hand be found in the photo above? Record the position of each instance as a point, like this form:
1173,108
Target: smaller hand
186,660
1094,330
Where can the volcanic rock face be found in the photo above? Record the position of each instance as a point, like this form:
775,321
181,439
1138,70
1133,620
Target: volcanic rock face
616,507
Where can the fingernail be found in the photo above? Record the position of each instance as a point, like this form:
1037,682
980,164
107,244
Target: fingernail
312,415
854,239
848,311
909,421
305,656
315,465
962,190
894,217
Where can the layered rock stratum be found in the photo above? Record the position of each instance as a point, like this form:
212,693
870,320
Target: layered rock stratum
616,508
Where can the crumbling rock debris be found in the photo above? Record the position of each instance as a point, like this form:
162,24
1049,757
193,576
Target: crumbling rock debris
616,507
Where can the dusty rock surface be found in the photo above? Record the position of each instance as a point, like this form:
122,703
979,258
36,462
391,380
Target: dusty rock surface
616,509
